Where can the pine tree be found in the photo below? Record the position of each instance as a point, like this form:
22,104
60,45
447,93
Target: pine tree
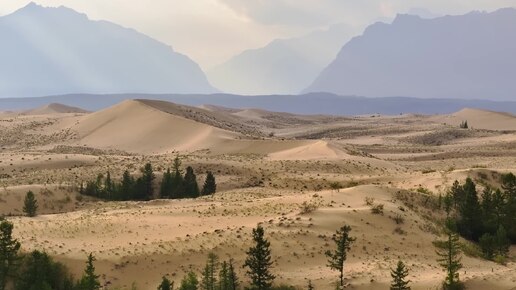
259,262
40,272
146,181
166,185
210,186
398,277
337,257
232,276
189,282
470,222
126,190
9,248
89,281
224,276
501,242
190,183
209,281
177,185
449,259
30,204
166,284
487,245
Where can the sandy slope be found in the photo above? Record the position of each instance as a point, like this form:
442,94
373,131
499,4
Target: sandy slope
481,119
137,127
54,108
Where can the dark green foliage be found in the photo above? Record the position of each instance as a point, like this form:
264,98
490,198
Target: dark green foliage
177,186
189,282
464,125
259,261
166,185
491,220
470,221
9,248
450,260
209,280
210,186
191,188
228,279
39,272
173,185
399,276
89,280
144,185
310,285
337,257
166,284
30,204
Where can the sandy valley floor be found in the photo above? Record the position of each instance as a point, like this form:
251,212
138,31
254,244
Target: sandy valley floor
266,164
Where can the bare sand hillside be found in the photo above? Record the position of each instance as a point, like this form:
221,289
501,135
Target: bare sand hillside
54,108
267,165
481,119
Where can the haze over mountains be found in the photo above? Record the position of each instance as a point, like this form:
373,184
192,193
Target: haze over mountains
284,66
47,51
468,56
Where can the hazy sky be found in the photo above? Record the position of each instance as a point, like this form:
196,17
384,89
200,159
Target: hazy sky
211,31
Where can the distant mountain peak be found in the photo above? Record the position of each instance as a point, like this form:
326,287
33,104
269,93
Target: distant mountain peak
57,50
464,56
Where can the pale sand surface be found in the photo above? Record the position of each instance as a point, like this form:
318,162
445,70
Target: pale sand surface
262,178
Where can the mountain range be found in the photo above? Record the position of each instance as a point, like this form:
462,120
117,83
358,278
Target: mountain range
48,51
466,56
284,66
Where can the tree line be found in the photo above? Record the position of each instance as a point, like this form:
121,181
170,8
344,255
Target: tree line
488,218
174,185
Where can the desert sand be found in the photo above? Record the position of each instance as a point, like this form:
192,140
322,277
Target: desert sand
266,164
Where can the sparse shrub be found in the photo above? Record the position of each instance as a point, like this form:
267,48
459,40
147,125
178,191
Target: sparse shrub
400,231
308,207
377,209
399,219
369,201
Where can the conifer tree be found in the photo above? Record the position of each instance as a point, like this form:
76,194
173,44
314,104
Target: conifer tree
259,262
177,186
224,276
30,204
337,257
40,272
233,282
190,183
399,276
210,186
189,282
147,179
166,185
126,187
450,260
501,242
209,280
166,284
9,248
89,281
470,223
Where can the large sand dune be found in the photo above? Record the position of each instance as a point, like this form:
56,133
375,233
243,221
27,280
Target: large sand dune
137,127
54,108
481,119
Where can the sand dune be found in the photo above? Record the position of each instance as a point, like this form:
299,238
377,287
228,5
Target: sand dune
481,119
136,127
54,108
312,150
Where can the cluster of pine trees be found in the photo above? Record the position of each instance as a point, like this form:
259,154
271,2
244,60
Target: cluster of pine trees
488,218
173,185
37,270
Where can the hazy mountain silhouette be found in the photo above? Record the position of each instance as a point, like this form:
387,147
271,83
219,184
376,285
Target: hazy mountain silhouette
58,50
283,66
467,56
